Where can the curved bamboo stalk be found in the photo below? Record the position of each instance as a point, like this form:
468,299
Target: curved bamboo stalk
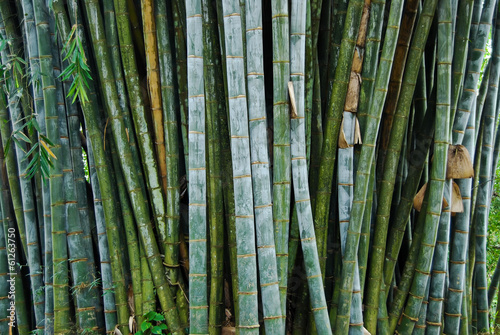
141,212
367,156
415,171
143,133
474,63
95,137
459,246
461,48
154,86
394,88
489,120
401,292
281,141
438,175
170,105
299,168
332,129
106,271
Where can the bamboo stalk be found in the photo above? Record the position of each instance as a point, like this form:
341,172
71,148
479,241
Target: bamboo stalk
299,168
473,68
274,316
489,120
211,62
281,141
240,153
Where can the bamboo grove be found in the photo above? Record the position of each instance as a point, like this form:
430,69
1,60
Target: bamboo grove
250,167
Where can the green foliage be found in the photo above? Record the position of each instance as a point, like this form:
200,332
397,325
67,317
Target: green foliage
154,323
40,151
77,67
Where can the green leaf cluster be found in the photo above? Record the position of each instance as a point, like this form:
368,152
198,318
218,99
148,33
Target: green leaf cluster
40,152
153,324
77,67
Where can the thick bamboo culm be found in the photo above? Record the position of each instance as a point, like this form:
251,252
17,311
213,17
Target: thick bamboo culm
261,167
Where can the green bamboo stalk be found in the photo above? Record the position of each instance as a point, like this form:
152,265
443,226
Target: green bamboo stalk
8,29
408,272
364,241
95,136
228,191
459,247
365,162
170,103
478,103
142,130
105,266
438,171
181,65
281,141
141,212
4,268
422,326
28,205
417,161
197,172
339,17
484,189
240,153
493,287
460,51
439,265
21,321
474,63
437,281
394,88
35,247
274,316
370,62
299,169
214,192
154,93
332,128
147,289
59,251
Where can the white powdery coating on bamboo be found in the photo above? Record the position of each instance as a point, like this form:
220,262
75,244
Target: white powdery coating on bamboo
261,178
299,168
197,172
240,154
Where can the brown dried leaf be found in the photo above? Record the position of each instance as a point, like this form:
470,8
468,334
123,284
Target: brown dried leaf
357,133
457,205
352,97
419,198
459,163
291,93
228,330
342,141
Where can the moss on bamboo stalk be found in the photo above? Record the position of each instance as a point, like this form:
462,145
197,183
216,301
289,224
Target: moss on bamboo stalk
215,204
141,212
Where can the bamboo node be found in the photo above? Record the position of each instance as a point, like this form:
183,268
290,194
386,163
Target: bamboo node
246,256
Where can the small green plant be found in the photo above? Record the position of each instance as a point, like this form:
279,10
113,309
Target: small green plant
154,323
